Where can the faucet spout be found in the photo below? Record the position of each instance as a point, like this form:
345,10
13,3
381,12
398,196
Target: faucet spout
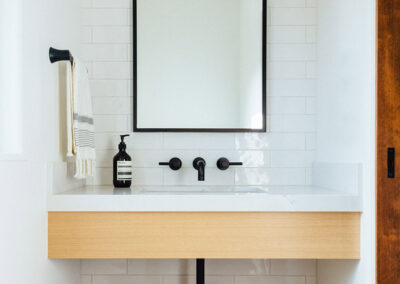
199,164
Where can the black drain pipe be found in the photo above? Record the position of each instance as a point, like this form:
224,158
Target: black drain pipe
200,271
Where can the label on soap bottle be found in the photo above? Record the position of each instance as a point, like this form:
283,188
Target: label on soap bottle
124,170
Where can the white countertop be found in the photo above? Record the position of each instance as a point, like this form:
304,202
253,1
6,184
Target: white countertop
218,198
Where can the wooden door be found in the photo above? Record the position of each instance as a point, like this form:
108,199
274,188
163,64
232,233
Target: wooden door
388,136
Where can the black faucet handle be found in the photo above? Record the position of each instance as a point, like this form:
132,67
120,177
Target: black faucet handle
199,164
223,164
174,164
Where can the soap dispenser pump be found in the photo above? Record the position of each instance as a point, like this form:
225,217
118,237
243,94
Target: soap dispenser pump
122,166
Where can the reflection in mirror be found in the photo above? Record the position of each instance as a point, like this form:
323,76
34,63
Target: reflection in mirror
200,65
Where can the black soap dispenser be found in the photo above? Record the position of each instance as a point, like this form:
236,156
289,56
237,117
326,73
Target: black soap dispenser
122,166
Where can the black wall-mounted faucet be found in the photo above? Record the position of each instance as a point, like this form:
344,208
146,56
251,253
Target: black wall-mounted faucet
199,164
223,164
174,164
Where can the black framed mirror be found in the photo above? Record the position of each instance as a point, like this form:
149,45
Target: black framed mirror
199,65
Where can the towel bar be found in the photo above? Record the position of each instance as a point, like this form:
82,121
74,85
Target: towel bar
60,55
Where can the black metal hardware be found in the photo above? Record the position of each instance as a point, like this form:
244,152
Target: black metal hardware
390,162
200,271
60,55
199,164
223,164
174,164
263,128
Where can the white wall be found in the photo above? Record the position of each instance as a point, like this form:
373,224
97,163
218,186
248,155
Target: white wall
346,116
23,215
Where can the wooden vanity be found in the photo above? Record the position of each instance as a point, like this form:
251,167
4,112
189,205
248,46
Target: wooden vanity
307,235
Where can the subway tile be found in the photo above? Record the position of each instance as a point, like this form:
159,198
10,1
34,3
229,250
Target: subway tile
188,176
311,33
85,3
104,158
286,70
286,34
293,16
86,279
126,279
112,105
248,158
287,3
292,88
145,141
292,123
86,35
311,141
199,141
179,280
104,17
112,3
286,105
269,280
270,176
293,267
237,266
104,176
281,159
161,266
311,280
292,52
111,123
219,279
104,52
112,70
192,279
112,34
109,88
311,70
147,176
105,141
311,3
310,105
270,141
309,178
103,266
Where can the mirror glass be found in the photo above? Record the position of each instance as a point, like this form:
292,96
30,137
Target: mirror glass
199,65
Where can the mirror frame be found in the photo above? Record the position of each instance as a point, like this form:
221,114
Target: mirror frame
264,83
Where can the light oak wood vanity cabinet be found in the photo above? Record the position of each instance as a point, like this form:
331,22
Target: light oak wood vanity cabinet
316,235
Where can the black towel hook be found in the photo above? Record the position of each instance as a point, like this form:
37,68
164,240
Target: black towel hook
60,55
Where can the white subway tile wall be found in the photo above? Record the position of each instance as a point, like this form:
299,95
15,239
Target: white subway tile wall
183,271
283,156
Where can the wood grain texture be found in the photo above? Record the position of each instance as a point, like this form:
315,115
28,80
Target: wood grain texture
388,135
204,235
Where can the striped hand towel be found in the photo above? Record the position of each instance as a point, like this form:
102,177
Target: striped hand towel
80,127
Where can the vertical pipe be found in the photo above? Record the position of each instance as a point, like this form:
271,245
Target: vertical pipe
200,271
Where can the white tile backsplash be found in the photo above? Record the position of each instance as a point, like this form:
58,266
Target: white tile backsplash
126,279
270,280
293,267
104,17
283,156
183,271
162,266
104,266
293,16
237,266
